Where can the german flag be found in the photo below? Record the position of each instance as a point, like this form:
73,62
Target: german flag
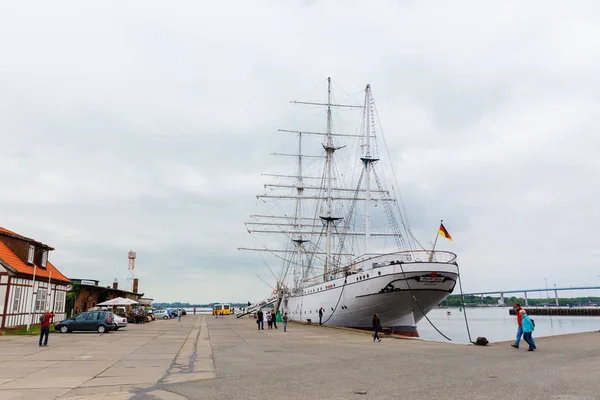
443,232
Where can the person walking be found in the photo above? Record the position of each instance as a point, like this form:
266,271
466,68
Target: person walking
321,316
518,309
261,321
270,320
179,315
376,327
285,321
528,328
274,319
45,326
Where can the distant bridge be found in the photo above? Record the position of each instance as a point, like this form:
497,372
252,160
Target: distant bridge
525,291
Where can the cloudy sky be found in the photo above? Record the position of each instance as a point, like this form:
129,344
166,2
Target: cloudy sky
146,125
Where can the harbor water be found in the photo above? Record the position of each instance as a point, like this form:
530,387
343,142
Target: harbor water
497,325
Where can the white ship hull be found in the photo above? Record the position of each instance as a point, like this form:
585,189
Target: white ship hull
387,290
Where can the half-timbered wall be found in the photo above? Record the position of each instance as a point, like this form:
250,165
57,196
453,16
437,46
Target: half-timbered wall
23,305
4,278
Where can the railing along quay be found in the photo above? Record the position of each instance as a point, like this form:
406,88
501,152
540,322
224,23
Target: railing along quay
567,311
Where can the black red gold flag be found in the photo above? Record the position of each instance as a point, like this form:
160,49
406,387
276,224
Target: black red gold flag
442,231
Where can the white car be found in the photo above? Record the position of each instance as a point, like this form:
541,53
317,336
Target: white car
161,314
120,322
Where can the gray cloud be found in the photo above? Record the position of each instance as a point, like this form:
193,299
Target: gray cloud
145,126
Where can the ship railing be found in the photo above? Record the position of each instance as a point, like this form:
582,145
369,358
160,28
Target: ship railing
409,256
382,260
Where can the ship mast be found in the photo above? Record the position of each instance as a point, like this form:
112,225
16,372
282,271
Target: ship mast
299,240
329,219
316,235
329,149
367,162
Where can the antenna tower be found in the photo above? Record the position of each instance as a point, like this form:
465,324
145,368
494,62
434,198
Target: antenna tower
131,269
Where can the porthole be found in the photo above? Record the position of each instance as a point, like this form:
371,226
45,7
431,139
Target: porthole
379,273
367,276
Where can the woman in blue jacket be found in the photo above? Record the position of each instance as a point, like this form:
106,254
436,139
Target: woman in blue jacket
528,328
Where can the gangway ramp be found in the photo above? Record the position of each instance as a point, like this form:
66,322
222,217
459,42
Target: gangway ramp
254,308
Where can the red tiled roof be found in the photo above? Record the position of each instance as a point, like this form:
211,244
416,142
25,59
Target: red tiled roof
15,262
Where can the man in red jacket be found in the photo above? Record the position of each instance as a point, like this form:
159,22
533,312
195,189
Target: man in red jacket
518,308
45,327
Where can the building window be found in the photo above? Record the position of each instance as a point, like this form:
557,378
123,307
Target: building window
17,299
31,253
44,258
60,298
40,300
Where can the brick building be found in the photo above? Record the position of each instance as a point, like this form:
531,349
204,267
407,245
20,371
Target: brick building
91,293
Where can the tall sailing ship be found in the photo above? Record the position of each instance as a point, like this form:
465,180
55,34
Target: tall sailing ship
338,232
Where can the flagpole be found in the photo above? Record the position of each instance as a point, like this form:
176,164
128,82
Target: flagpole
32,301
435,242
49,289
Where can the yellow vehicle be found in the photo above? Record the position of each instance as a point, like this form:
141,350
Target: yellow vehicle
221,309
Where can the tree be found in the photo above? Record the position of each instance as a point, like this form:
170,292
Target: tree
71,298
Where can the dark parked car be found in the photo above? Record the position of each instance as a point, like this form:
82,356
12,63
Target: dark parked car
175,312
101,321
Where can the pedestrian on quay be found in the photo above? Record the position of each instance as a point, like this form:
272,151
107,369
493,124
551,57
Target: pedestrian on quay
270,320
376,327
528,327
274,319
260,319
518,309
321,316
45,326
179,315
285,321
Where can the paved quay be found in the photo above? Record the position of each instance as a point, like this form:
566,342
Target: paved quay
84,365
312,362
228,358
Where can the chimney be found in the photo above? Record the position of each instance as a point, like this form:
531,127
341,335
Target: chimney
135,285
115,284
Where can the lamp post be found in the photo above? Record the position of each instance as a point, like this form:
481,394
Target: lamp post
547,296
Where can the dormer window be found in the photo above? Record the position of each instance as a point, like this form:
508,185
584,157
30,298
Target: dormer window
44,258
31,253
